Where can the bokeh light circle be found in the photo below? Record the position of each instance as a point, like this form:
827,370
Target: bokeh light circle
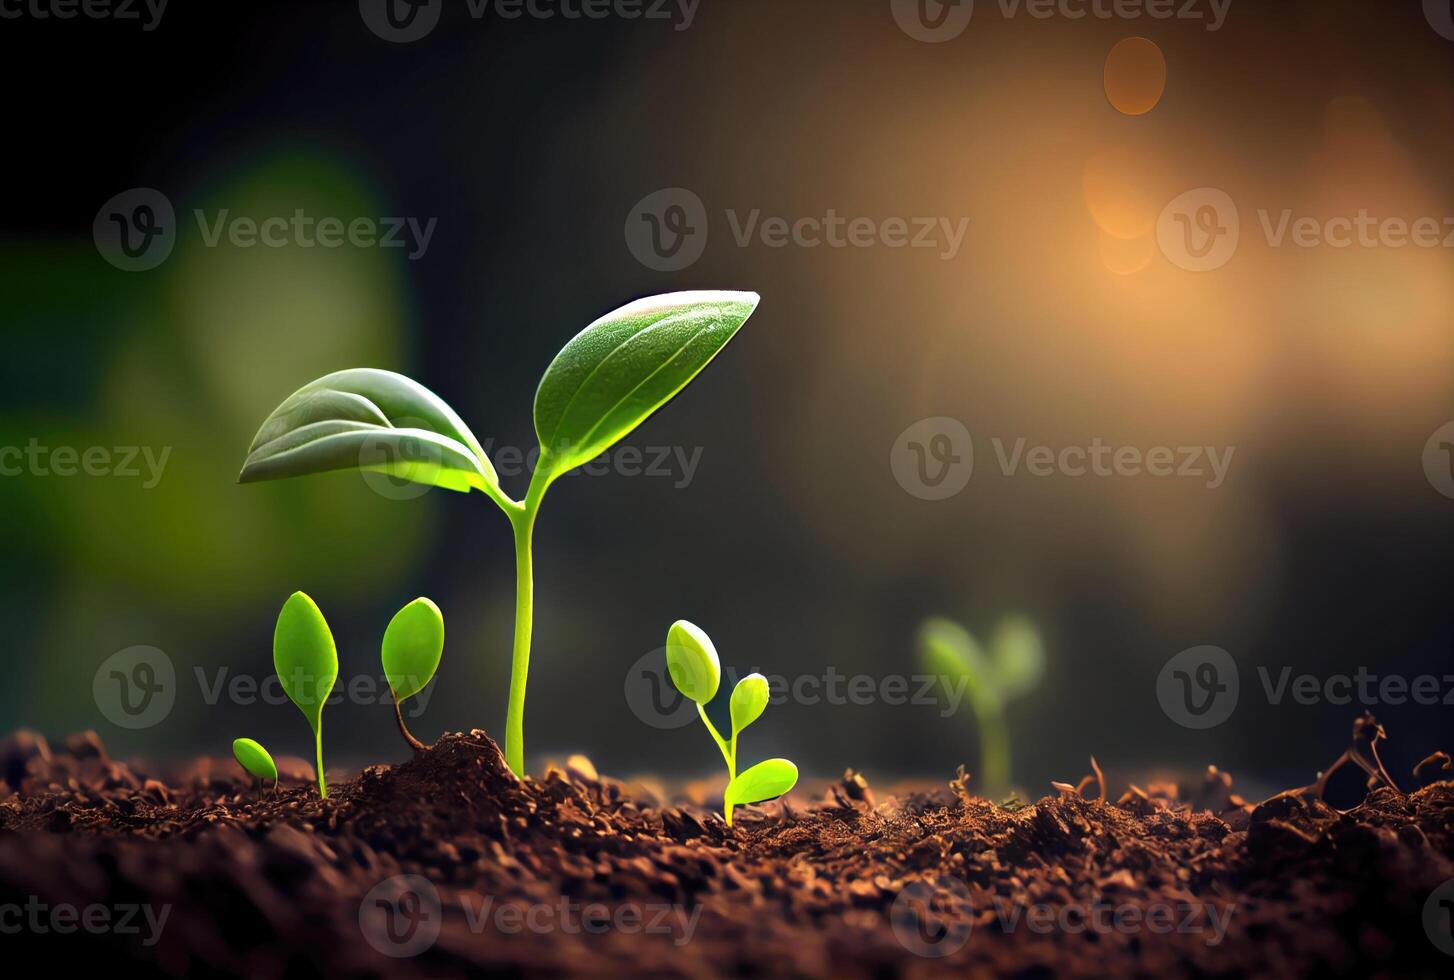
1135,75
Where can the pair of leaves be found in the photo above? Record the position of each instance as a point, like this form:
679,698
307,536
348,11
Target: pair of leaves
306,658
255,759
1014,665
696,670
604,383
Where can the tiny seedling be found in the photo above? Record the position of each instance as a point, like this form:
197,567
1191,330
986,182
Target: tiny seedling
306,660
1013,667
413,644
691,659
603,384
255,759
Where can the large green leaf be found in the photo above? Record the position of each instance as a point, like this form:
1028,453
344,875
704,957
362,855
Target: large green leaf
626,365
374,421
763,781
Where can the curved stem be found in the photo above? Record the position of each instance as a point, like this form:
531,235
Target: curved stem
414,743
712,730
729,755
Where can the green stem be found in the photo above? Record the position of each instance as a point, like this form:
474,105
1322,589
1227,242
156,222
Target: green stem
318,743
522,520
994,747
520,658
729,755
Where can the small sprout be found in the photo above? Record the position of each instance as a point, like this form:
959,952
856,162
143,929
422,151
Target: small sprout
306,660
255,759
413,643
1012,668
691,659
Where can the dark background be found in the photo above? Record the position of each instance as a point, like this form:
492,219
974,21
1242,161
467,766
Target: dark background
530,141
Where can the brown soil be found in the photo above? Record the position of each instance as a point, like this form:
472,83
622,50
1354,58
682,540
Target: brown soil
572,874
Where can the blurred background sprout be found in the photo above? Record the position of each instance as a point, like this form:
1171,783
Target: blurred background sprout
988,681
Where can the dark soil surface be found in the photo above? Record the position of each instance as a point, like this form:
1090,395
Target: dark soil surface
573,874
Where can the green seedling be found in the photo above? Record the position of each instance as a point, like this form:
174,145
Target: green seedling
255,759
602,385
307,664
413,644
691,659
1012,668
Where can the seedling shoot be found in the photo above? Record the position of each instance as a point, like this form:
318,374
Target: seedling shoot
603,384
695,670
